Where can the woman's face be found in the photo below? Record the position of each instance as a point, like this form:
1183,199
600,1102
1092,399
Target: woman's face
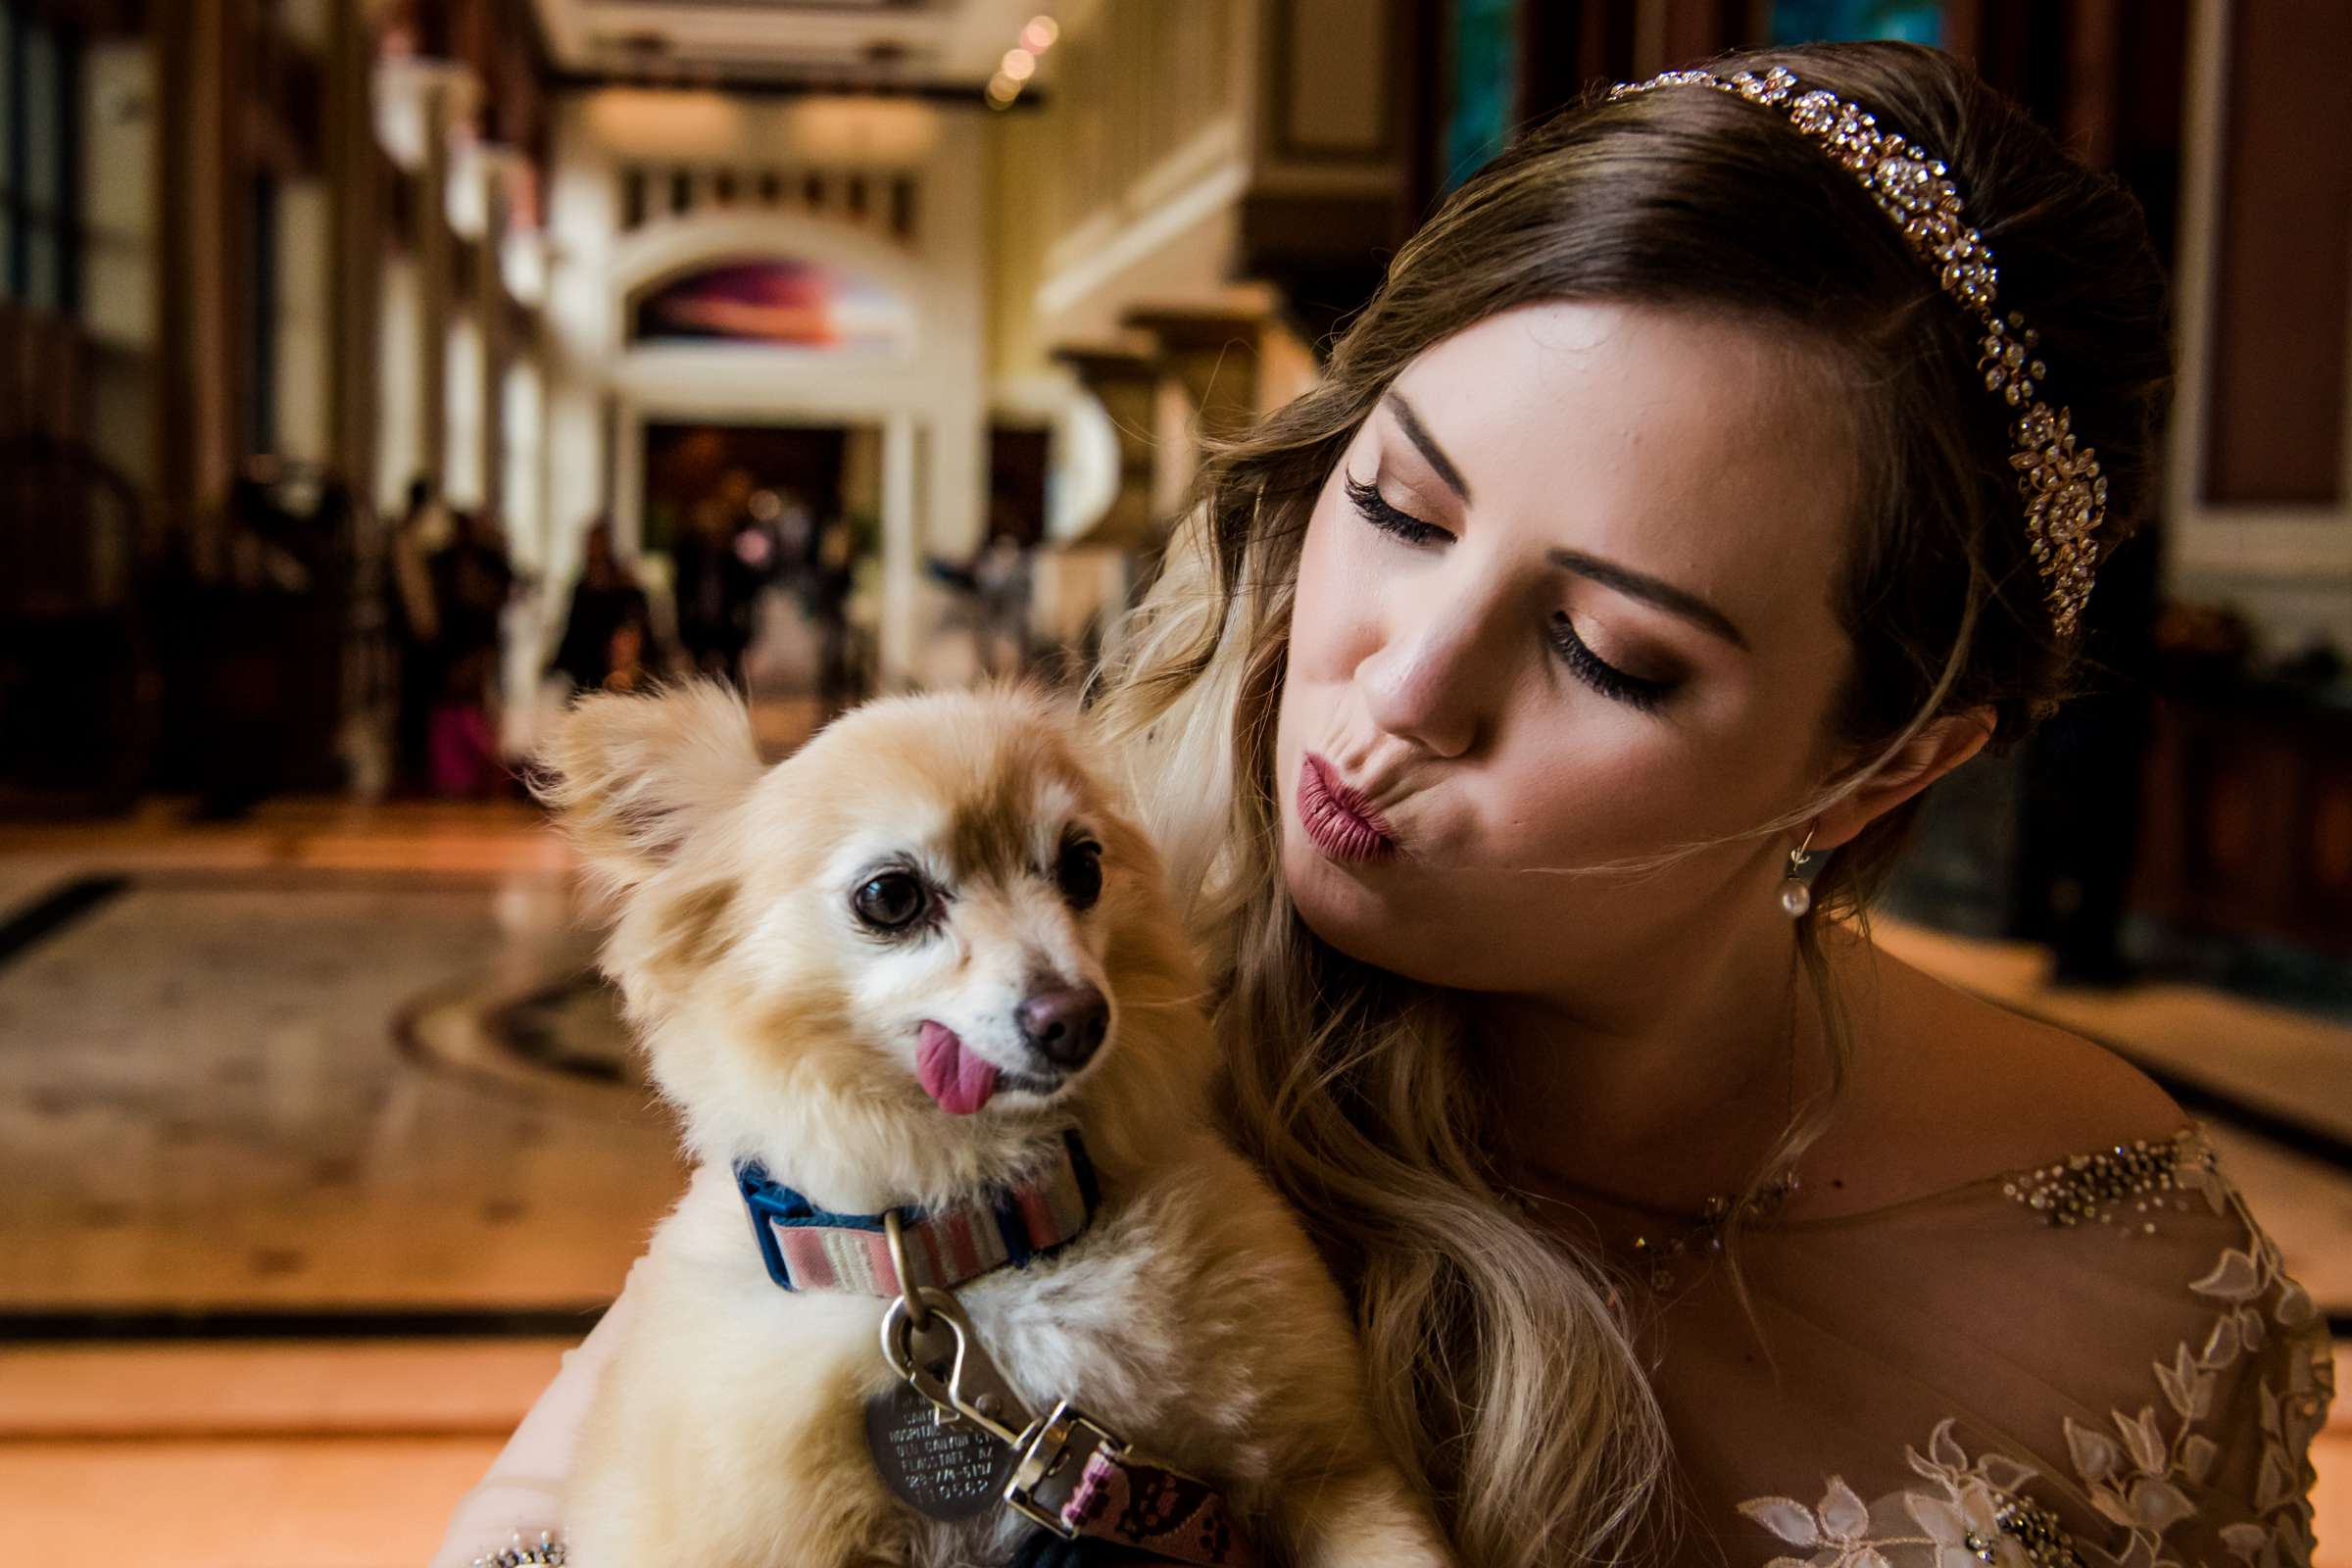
1565,600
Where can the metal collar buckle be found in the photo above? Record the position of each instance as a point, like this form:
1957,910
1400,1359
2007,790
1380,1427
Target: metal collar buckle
1058,1450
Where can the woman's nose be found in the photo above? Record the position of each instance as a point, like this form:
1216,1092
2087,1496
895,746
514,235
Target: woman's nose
1432,682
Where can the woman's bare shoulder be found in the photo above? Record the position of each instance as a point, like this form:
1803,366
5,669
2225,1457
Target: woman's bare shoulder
1950,1088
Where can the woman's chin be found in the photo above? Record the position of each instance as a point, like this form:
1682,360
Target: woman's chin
1392,919
1354,909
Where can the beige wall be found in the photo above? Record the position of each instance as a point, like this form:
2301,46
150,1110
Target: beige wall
118,282
400,441
305,328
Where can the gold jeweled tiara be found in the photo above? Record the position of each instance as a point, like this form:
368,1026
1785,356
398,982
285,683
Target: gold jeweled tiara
2065,495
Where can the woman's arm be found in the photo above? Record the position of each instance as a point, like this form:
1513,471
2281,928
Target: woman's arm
524,1488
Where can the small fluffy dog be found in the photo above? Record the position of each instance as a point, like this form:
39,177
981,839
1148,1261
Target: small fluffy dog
897,970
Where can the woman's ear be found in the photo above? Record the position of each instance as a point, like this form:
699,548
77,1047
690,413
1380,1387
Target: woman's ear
1941,746
631,778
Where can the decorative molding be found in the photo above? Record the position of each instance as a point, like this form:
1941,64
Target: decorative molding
815,85
1122,246
2264,551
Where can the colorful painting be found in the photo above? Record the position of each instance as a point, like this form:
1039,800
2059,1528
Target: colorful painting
777,301
1807,21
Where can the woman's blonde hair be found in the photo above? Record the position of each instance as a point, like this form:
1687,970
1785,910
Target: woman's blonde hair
1503,1372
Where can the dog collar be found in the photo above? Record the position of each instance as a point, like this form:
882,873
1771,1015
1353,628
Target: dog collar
810,1249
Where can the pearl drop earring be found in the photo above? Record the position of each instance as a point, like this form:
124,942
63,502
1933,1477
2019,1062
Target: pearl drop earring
1795,897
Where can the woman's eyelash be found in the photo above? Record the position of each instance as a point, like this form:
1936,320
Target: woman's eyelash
1586,666
1604,678
1377,511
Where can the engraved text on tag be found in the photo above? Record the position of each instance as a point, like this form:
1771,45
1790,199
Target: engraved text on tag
945,1473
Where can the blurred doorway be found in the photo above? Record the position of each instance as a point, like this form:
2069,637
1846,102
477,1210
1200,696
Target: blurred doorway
768,532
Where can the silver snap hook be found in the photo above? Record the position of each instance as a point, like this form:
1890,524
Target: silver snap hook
954,1374
919,1316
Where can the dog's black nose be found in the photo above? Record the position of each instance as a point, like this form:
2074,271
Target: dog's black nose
1066,1024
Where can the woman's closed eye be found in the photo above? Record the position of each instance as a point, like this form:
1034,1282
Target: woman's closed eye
1587,667
1606,678
1377,511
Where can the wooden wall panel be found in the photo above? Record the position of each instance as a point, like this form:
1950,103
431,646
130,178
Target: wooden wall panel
2283,286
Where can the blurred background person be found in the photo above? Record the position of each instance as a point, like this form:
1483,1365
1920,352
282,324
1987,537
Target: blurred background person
1001,577
827,574
719,577
420,531
472,580
608,628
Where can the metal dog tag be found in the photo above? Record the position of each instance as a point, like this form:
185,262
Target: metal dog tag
944,1472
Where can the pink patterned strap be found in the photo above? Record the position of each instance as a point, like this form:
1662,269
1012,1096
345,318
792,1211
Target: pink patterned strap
1126,1498
807,1248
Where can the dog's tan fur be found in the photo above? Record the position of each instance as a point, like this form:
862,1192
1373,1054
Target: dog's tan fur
1193,1316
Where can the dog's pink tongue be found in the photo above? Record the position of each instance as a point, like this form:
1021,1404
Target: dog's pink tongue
960,1080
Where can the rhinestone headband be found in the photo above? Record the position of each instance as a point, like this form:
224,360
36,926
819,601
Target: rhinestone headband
2065,496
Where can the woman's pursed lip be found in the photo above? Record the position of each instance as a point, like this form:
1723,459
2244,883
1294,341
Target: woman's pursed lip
1336,815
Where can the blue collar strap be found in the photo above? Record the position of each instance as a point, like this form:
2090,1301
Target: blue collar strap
810,1248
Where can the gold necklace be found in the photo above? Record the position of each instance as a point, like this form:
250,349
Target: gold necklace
1657,1252
1704,1233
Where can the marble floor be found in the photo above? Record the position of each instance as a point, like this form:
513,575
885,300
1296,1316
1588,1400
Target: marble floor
220,1092
317,1145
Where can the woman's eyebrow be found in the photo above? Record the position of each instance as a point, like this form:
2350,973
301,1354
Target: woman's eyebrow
1654,590
1430,449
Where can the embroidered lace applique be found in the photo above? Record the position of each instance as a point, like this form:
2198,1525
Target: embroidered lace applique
2155,1477
1974,1514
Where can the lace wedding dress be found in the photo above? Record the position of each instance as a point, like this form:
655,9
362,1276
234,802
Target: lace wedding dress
2099,1363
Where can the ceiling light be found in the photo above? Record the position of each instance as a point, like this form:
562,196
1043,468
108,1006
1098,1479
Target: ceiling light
1039,35
1019,63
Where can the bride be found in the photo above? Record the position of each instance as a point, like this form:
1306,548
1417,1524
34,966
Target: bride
1535,706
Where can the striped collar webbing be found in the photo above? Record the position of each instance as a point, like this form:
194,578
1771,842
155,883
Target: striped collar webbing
810,1248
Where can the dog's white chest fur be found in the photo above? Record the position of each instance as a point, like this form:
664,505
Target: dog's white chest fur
733,1367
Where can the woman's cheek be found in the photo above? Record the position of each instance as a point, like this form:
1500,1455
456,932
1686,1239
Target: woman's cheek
1572,803
1334,621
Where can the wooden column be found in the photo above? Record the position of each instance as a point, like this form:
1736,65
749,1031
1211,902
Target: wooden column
495,313
201,261
436,276
1080,585
1126,382
1214,355
357,229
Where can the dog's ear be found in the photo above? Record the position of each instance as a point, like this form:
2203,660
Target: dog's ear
629,778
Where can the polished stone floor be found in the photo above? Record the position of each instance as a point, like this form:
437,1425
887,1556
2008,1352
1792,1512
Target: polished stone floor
318,1143
218,1091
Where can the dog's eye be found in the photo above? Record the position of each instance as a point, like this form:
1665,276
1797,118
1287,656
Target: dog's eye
891,902
1079,874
